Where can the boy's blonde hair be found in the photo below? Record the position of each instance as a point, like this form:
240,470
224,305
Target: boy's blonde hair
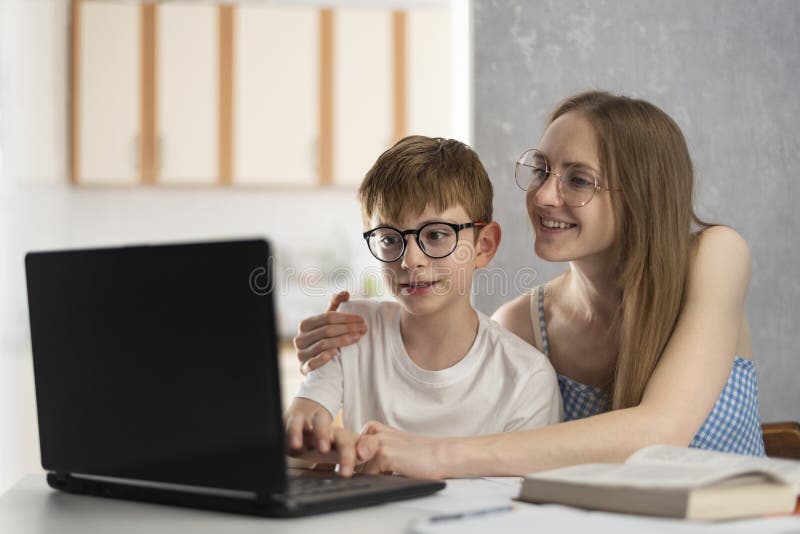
421,171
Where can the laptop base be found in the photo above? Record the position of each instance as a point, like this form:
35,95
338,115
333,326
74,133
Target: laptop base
369,490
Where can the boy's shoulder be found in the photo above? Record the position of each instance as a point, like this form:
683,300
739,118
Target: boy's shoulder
511,345
370,309
375,347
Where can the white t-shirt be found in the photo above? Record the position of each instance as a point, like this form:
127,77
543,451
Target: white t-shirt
502,384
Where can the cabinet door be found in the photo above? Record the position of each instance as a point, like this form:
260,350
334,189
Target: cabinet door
108,90
276,90
187,101
362,90
429,72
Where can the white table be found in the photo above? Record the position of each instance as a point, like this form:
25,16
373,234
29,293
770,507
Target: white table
31,507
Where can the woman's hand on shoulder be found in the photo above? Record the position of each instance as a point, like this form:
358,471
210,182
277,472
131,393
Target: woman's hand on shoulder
320,337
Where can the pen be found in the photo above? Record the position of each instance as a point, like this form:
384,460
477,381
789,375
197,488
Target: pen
470,513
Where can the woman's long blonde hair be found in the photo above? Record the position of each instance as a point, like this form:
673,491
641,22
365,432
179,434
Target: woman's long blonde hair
643,153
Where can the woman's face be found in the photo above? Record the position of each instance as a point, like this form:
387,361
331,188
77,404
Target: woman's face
590,229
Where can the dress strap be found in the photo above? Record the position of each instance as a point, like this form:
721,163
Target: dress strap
537,316
542,325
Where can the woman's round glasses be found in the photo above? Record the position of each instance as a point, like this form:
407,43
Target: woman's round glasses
435,239
576,185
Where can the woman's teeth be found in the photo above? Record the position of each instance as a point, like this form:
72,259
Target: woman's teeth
547,223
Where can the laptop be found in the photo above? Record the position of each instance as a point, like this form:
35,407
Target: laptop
157,379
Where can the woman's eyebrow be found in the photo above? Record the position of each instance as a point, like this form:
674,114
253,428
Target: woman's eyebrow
580,164
570,163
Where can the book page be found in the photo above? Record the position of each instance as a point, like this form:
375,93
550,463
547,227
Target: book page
787,470
643,475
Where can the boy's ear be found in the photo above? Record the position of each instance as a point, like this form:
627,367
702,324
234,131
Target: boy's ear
488,242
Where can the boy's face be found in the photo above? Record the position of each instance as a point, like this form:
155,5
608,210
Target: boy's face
424,285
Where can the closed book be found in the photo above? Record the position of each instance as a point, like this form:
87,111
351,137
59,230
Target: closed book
674,482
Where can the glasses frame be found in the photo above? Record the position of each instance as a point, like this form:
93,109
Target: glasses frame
415,232
559,184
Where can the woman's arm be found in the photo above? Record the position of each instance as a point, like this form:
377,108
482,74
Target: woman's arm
685,385
593,439
698,358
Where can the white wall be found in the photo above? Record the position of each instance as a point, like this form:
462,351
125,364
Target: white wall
727,71
40,210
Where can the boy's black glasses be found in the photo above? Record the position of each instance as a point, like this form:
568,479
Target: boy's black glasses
436,239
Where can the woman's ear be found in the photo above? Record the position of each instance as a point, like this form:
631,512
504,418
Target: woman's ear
488,242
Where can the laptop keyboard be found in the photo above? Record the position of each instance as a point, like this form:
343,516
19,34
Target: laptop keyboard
319,486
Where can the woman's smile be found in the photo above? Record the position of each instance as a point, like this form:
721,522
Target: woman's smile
553,225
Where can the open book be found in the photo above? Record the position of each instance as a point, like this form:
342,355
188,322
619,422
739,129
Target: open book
674,482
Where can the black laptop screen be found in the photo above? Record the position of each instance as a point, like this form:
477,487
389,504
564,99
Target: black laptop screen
158,363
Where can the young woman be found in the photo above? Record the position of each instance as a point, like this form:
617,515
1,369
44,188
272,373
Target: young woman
646,328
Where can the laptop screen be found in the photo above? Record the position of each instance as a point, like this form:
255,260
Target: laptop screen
158,363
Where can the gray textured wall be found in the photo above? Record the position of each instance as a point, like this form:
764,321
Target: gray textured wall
728,71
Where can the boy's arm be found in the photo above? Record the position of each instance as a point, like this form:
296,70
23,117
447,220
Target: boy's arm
309,417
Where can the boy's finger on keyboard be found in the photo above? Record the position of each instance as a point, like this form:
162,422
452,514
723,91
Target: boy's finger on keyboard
294,431
322,431
345,445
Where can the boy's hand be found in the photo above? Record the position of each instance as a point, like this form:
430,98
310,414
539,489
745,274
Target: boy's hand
311,438
342,451
319,337
308,427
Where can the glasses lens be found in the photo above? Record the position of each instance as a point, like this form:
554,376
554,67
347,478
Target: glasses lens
577,186
437,240
531,170
386,244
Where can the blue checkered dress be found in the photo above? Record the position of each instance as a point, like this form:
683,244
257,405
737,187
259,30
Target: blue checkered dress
732,426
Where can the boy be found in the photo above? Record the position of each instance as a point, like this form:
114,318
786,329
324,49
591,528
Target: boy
428,363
